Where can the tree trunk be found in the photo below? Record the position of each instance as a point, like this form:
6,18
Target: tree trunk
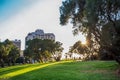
41,60
13,62
8,63
2,63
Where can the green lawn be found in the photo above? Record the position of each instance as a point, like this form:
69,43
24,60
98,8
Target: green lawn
64,70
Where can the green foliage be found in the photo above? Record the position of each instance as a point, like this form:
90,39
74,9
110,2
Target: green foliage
91,70
83,49
8,53
14,54
42,50
90,17
79,48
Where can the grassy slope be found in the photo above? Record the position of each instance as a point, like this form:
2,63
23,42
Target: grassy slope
91,70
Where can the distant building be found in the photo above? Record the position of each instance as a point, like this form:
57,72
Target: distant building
40,35
17,43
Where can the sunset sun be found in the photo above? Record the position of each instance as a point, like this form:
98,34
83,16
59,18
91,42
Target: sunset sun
84,42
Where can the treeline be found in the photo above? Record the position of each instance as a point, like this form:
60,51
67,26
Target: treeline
8,53
38,50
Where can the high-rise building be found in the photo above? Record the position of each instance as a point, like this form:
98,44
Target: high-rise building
40,35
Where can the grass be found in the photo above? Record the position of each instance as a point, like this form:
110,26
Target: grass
64,70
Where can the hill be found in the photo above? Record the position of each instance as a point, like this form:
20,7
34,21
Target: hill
64,70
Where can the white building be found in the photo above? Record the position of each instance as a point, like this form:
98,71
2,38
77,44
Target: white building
40,35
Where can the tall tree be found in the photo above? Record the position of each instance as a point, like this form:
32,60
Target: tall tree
89,17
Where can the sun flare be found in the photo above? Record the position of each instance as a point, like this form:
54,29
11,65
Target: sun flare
84,42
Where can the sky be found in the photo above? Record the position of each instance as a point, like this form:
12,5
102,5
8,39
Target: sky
19,17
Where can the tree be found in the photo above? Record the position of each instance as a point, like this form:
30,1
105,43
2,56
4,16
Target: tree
8,46
57,53
79,48
8,53
42,50
32,51
89,17
13,54
2,55
83,49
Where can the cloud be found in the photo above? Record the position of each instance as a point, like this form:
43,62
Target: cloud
41,15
